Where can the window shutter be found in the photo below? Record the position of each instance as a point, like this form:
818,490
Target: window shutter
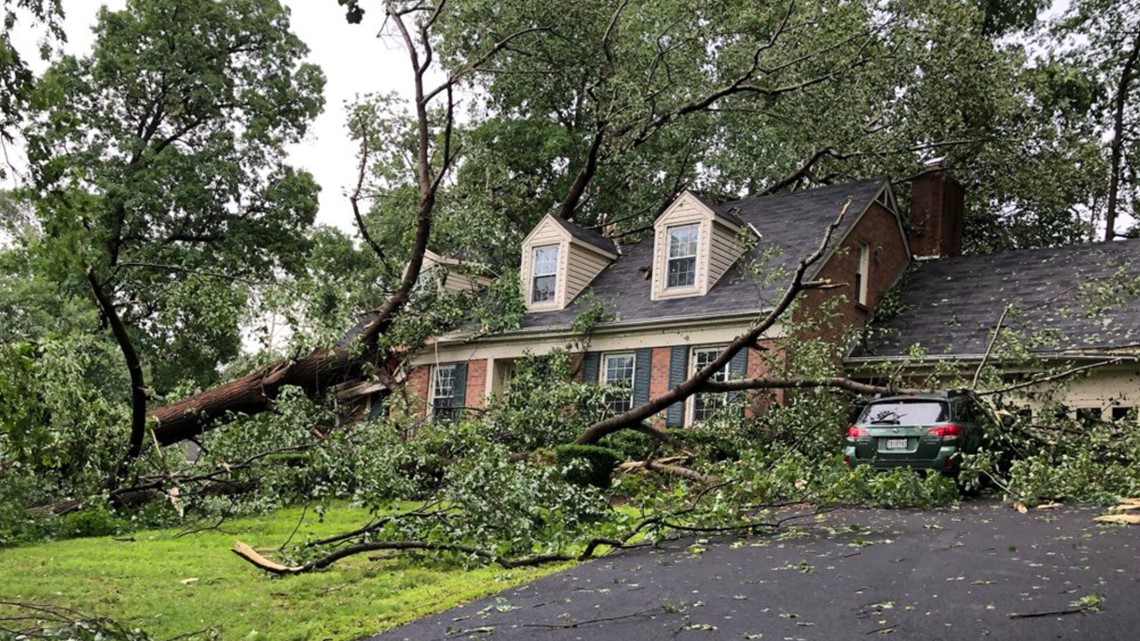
642,368
459,396
737,369
678,370
590,364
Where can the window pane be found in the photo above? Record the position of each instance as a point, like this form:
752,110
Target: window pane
906,413
618,372
683,241
706,405
682,272
543,289
443,393
544,278
682,258
546,260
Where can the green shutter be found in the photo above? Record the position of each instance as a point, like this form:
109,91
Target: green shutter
678,372
590,364
642,367
737,369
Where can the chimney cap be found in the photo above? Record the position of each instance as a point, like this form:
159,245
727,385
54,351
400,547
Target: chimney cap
937,163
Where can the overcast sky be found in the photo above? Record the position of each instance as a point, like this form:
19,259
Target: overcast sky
354,60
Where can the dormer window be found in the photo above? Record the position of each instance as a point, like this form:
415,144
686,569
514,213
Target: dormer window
682,267
544,278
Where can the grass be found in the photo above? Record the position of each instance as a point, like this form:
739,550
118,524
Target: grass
170,585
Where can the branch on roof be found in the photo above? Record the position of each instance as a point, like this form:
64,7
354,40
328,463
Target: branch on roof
1056,377
699,380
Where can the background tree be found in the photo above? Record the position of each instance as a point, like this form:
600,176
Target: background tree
1103,38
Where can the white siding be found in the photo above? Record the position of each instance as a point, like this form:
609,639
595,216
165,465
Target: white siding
724,250
583,267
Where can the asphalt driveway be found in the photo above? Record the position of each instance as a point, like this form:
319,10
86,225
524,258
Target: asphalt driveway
947,574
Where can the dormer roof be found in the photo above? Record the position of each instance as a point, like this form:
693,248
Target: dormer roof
588,236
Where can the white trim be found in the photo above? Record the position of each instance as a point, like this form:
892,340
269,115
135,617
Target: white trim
695,257
691,402
432,386
863,271
603,369
603,340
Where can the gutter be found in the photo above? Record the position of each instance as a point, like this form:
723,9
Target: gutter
1068,356
674,323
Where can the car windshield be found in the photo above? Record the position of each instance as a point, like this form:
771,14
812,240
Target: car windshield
904,413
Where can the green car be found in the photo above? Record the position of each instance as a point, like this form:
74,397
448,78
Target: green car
923,431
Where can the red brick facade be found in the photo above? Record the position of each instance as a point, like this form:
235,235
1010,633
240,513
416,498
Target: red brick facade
416,388
879,231
476,391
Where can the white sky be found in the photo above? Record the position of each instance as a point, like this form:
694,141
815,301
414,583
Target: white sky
354,60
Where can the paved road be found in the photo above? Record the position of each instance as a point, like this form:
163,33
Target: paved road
947,574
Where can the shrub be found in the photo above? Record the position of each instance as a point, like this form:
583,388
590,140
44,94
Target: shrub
587,464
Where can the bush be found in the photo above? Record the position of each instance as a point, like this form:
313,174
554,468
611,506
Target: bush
587,464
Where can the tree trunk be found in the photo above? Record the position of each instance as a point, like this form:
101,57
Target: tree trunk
255,393
1117,157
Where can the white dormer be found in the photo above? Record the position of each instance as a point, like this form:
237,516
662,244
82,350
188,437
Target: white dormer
693,246
559,259
450,275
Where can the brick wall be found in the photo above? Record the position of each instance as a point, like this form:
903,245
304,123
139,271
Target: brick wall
416,388
760,400
659,380
879,230
936,215
476,383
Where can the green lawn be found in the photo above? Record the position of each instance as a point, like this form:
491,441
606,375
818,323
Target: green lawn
169,585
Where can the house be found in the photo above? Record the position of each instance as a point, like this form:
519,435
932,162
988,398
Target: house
1069,308
673,300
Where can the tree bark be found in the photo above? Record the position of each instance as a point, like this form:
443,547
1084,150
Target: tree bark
1117,154
255,393
134,368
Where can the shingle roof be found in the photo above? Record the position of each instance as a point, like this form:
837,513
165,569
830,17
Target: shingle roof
587,235
950,306
792,224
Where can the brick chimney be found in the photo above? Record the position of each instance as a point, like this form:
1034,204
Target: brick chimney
936,208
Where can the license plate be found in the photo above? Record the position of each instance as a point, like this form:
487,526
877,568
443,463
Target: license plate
896,444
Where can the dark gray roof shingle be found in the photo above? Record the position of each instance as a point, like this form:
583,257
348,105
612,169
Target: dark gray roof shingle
951,306
588,236
791,226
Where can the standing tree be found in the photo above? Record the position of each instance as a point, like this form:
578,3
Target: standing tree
1105,40
159,177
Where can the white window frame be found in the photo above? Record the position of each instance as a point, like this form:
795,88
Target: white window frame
863,274
717,398
603,379
434,393
669,257
535,274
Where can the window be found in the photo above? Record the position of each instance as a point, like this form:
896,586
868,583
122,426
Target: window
1120,413
443,393
1088,416
706,405
544,274
617,372
862,272
681,270
917,412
